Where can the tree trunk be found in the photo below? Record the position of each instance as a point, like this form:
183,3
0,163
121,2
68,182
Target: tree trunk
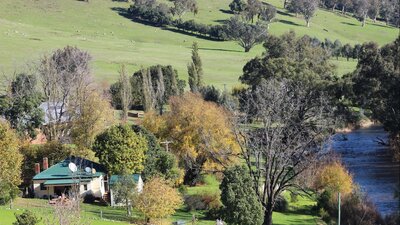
192,176
268,215
308,23
343,9
247,48
333,8
363,22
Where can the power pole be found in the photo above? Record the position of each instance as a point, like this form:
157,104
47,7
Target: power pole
338,208
166,143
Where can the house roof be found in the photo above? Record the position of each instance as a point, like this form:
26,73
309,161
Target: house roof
60,171
66,181
115,178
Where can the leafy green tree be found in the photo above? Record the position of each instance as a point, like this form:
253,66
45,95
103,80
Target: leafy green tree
26,218
158,162
253,8
20,106
245,34
124,191
347,51
308,8
267,13
288,56
121,150
361,8
241,204
10,163
237,6
144,90
195,70
182,6
376,84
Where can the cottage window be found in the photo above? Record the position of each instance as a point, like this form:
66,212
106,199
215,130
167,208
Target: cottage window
42,187
85,187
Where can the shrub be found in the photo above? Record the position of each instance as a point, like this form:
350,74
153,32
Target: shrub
281,204
26,218
204,201
194,202
89,198
293,197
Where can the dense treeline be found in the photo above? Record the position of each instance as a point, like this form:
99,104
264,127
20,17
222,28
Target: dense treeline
375,86
387,10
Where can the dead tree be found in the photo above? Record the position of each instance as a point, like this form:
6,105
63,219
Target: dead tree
281,127
65,79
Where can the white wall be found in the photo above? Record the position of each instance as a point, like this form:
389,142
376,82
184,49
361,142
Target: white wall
95,187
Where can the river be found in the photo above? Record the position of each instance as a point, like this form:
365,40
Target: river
370,165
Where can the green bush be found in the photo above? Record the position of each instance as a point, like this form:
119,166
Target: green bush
26,218
281,204
89,198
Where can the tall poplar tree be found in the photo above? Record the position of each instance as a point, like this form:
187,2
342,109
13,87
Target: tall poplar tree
195,70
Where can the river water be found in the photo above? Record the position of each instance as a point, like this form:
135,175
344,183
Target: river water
371,165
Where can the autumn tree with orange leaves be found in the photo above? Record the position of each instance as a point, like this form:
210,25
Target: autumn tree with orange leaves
200,132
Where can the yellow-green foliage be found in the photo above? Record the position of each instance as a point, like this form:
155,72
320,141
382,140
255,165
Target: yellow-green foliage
198,129
10,158
335,178
158,199
121,150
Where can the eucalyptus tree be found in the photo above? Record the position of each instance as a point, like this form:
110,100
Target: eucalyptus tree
245,34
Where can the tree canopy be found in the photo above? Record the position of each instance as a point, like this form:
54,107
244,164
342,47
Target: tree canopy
158,199
10,163
241,205
121,150
200,133
20,105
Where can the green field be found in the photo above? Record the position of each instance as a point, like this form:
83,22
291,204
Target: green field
298,214
31,28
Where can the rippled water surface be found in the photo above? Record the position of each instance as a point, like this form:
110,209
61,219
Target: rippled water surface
371,165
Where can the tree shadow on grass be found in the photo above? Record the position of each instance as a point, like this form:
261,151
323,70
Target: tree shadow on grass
173,29
289,22
347,23
284,13
220,49
226,11
221,21
381,25
125,13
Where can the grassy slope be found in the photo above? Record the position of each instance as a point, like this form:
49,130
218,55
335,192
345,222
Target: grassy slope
297,215
30,28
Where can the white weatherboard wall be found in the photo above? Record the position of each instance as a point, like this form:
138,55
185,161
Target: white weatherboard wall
95,187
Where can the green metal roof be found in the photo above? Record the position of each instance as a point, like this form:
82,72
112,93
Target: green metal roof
65,181
60,171
115,178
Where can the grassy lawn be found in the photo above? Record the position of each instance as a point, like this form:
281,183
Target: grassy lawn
30,28
299,212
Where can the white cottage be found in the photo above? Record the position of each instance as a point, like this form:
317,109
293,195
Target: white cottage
91,178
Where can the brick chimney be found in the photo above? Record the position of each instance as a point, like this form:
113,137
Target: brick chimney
37,168
45,163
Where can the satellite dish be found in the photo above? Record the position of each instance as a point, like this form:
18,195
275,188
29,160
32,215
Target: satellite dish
88,170
93,170
72,167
